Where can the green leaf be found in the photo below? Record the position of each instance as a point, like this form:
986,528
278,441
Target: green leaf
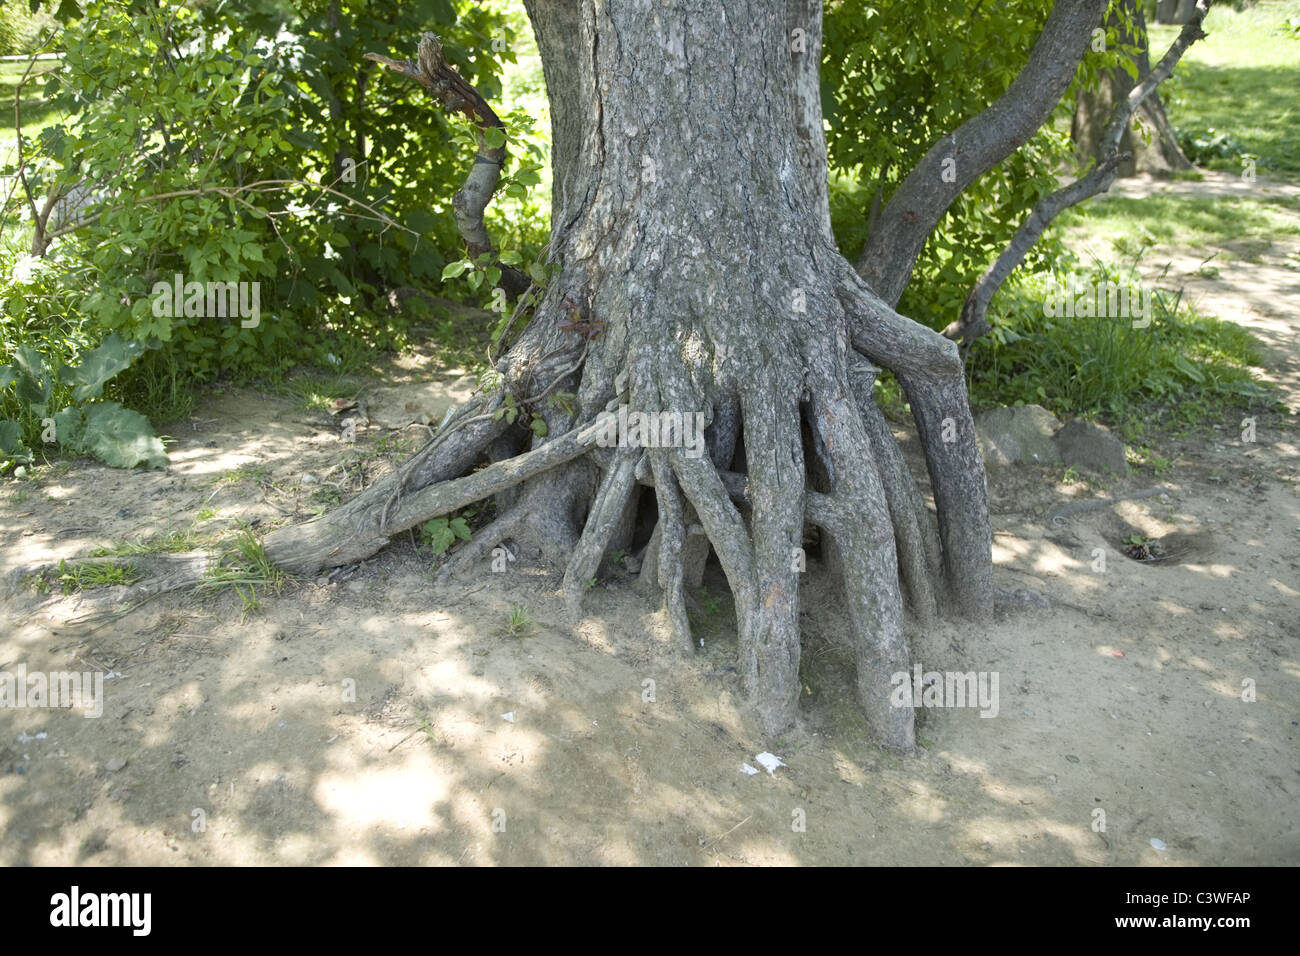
539,426
115,354
35,383
11,440
495,137
454,269
460,527
438,534
115,435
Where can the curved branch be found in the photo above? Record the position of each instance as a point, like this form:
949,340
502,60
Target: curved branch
432,71
972,323
975,147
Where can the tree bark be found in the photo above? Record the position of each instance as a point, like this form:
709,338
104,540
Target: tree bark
695,273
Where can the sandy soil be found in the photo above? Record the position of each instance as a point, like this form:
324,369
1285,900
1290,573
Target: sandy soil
230,736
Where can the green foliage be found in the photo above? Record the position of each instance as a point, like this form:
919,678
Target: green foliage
519,622
898,75
253,143
105,430
440,534
1203,146
100,574
243,569
1233,95
1184,363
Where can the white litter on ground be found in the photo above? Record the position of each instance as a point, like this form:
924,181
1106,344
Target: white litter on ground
769,762
1158,844
510,716
746,768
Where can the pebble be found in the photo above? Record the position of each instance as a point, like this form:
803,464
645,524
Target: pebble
114,765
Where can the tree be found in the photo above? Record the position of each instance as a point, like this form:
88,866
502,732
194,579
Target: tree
1150,139
692,270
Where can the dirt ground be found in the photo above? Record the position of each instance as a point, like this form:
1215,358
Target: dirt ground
230,737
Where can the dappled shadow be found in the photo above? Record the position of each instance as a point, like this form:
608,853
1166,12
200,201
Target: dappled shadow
1124,695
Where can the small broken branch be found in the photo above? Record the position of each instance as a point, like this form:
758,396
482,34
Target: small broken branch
432,71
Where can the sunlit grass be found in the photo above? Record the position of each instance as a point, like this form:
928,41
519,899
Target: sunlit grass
1241,80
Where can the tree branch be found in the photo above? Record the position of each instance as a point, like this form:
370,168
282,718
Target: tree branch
432,71
973,323
975,147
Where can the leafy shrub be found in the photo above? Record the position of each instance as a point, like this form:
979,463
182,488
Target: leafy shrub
1105,366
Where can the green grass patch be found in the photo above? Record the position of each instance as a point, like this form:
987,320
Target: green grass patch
244,568
1239,86
1130,224
169,542
101,574
1189,366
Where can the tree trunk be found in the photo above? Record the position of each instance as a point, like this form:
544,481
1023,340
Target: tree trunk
697,274
1175,11
1150,138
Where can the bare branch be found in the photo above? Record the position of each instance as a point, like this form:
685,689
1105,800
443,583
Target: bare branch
973,323
432,71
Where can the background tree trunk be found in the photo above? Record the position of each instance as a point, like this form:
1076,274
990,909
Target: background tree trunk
1174,11
1150,137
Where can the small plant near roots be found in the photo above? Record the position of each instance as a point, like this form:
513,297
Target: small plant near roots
439,534
169,542
1141,548
244,569
84,577
519,623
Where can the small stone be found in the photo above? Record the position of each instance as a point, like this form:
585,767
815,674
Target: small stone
1016,435
1072,758
1091,448
114,765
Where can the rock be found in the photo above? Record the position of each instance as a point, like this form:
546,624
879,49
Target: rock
114,765
1091,448
1021,434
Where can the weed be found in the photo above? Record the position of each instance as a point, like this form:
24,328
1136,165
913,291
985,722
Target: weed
519,622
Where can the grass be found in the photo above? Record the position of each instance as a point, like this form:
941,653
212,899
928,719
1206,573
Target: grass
1241,80
245,566
169,542
86,577
316,390
254,473
519,622
1185,366
1225,223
